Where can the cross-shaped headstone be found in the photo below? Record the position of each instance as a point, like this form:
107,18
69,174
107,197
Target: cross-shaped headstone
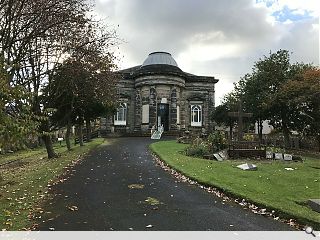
240,115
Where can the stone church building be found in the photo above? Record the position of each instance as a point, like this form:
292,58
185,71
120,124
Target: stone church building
159,93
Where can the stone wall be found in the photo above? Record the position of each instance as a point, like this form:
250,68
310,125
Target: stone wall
149,91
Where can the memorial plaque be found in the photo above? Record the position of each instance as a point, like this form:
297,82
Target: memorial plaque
278,156
247,166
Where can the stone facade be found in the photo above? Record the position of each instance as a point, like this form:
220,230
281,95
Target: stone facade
159,93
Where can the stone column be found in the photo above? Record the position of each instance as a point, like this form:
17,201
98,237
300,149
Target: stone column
183,110
173,110
138,111
152,107
211,107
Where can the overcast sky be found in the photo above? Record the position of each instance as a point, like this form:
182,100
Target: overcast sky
220,38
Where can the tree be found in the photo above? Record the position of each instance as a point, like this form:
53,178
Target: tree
220,114
16,124
262,90
81,91
253,92
36,36
301,95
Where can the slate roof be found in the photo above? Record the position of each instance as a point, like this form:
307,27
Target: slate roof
161,63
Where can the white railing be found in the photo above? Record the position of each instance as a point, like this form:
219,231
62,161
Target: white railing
156,134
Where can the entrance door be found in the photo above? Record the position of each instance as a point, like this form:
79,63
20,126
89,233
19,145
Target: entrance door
163,115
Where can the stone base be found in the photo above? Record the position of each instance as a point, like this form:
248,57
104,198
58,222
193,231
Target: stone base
314,204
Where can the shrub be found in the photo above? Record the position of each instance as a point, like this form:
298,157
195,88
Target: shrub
217,141
198,148
248,137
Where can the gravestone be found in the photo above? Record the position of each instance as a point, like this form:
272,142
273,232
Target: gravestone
278,156
287,157
247,166
218,157
269,155
223,154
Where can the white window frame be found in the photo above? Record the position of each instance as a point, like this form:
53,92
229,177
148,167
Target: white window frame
122,108
196,109
178,114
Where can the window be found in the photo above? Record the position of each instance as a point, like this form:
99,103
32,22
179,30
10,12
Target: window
196,115
120,118
178,114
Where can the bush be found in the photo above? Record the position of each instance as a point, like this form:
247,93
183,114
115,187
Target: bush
198,148
217,141
248,137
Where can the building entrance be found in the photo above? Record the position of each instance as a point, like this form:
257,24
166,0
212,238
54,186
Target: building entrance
163,116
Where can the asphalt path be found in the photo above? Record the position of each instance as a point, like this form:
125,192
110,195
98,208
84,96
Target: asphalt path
99,195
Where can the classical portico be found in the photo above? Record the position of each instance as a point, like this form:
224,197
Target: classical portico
157,93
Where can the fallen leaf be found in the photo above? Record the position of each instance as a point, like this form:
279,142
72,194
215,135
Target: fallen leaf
73,208
152,201
136,186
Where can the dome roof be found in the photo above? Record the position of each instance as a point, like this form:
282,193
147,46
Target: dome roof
157,58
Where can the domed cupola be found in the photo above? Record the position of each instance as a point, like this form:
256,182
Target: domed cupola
159,62
159,68
159,58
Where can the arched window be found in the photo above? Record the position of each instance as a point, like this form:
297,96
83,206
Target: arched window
120,118
196,115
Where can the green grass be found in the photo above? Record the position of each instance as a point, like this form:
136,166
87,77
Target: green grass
271,186
23,184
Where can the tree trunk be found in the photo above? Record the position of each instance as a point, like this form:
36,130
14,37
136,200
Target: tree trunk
68,133
286,135
260,127
81,134
318,138
47,140
48,143
231,125
88,130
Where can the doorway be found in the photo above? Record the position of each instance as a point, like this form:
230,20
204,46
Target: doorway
163,116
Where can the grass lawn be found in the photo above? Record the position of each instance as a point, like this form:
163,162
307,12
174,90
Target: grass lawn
25,182
271,186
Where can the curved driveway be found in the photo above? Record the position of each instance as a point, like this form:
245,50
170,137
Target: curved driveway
97,197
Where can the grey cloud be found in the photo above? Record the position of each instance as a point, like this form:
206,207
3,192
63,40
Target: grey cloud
303,41
173,25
